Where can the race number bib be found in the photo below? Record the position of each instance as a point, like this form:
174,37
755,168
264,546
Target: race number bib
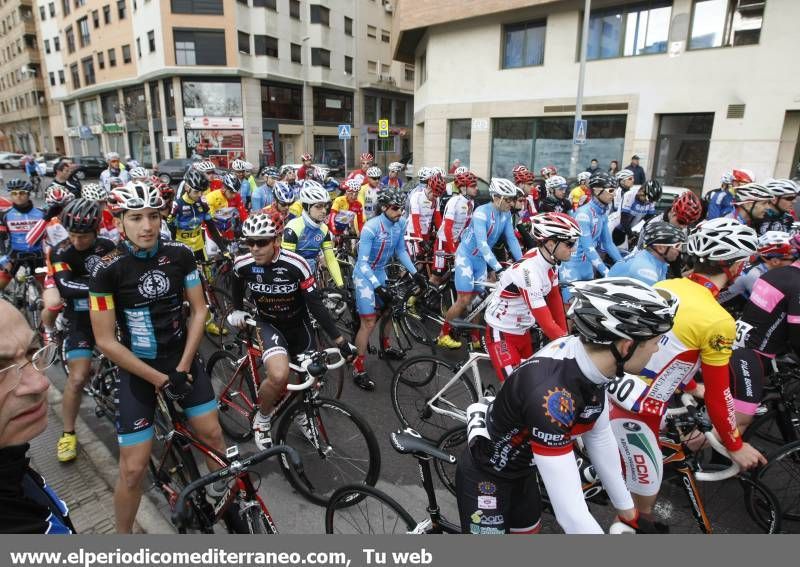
742,331
626,391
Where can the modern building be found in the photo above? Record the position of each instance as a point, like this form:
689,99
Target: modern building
694,87
263,79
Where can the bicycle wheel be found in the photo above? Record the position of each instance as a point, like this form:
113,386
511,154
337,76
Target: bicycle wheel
335,443
220,304
768,434
781,475
236,396
333,382
365,510
256,520
453,442
341,309
407,334
417,382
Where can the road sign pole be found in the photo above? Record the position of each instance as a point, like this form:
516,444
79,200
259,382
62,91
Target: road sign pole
345,158
573,162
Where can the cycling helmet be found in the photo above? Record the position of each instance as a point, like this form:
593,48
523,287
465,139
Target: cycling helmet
305,157
502,187
135,195
608,309
460,169
782,188
742,176
548,170
423,173
661,232
286,169
312,192
263,225
751,193
57,195
396,166
95,192
584,176
722,240
112,156
555,182
437,185
687,208
231,182
466,179
352,185
166,190
139,173
196,179
775,244
239,165
519,167
366,156
624,174
389,197
522,175
270,172
602,180
204,166
319,173
726,179
438,170
81,215
114,182
652,191
554,226
18,184
283,193
131,163
373,172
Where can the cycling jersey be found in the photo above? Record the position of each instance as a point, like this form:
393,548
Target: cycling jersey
424,214
188,217
108,228
146,289
309,238
457,216
106,176
16,223
641,265
720,203
369,200
73,185
742,287
781,223
342,204
226,213
262,196
387,181
555,205
579,196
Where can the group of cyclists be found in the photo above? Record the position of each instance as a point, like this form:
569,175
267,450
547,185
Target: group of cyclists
643,298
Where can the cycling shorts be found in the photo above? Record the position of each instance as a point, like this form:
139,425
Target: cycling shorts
507,350
439,260
637,439
289,341
136,400
488,504
469,269
748,371
366,301
79,342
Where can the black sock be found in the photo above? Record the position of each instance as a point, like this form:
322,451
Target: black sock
69,433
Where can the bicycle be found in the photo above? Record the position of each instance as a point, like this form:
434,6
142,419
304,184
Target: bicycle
405,325
215,277
337,444
26,288
101,386
777,420
252,510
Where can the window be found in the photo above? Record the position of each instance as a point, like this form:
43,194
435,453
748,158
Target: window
266,45
213,98
83,28
297,51
372,67
101,60
42,13
112,57
109,104
348,64
270,4
96,18
65,7
52,79
51,7
47,46
682,149
70,35
320,57
400,112
370,109
107,14
151,41
126,53
385,69
459,137
169,97
155,100
88,70
61,79
121,8
523,44
243,2
333,106
348,26
57,43
138,48
135,106
423,72
294,9
629,30
281,101
320,15
372,32
721,23
200,47
90,113
76,78
244,42
385,37
409,73
201,7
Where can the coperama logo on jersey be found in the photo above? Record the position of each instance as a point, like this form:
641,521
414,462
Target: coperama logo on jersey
153,284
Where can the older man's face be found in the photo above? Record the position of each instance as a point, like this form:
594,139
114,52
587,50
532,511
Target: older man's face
23,409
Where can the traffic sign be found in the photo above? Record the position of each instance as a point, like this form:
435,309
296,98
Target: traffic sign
344,131
579,134
383,128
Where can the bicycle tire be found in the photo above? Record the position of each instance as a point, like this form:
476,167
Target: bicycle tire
762,505
236,397
257,522
410,397
764,433
452,442
406,340
352,504
359,464
333,381
223,305
781,475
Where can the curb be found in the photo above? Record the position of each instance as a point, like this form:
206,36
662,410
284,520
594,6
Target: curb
148,519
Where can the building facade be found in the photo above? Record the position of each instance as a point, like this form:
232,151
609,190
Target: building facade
694,87
265,80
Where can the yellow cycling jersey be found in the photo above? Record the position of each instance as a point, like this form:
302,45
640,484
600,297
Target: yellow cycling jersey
341,204
296,209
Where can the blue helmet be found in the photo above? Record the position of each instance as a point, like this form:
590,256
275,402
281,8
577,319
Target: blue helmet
283,192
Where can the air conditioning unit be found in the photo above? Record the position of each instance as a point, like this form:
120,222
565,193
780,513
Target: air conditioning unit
388,6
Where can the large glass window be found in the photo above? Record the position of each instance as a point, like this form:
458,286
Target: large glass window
320,57
682,149
281,101
370,109
155,101
135,106
333,106
88,71
629,30
320,15
110,104
266,45
400,112
719,23
523,44
71,111
212,98
459,141
199,47
90,114
169,97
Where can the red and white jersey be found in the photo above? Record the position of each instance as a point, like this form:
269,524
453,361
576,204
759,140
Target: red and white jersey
55,232
458,211
420,205
521,289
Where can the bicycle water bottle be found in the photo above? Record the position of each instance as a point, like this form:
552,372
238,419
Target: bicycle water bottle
22,273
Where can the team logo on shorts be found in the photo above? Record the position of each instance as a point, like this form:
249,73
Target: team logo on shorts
632,426
153,284
559,407
486,487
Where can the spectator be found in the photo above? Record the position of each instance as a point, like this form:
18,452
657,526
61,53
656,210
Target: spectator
115,169
638,171
613,168
64,176
28,504
453,166
593,166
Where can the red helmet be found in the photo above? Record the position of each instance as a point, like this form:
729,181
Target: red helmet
437,185
687,208
366,156
548,170
466,179
524,176
518,168
555,226
305,157
742,176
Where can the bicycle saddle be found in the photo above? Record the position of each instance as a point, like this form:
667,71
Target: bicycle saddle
409,441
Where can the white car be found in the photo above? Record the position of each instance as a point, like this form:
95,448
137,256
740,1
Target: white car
10,161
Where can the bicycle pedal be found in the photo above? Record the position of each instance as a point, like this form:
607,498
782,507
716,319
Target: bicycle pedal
99,412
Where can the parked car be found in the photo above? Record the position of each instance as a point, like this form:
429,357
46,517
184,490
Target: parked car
10,161
333,160
408,162
49,160
171,170
89,166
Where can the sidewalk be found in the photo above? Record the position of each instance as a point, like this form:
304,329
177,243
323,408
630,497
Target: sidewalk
86,484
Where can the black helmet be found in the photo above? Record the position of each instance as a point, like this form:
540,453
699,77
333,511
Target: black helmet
196,179
18,184
652,190
601,180
230,181
81,215
389,197
661,232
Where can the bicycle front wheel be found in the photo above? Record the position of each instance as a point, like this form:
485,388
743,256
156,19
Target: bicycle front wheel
236,395
337,447
781,475
355,509
453,442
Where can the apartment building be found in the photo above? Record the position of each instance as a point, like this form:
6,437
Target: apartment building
262,79
694,87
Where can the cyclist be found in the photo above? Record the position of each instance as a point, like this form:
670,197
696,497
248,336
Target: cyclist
424,216
308,235
392,179
168,194
305,167
556,200
368,194
753,204
541,186
73,261
114,169
592,218
206,167
139,173
720,201
56,198
784,192
140,289
549,400
284,202
365,162
108,226
525,180
685,211
637,206
32,171
702,338
661,245
581,194
282,287
15,225
381,241
190,215
64,176
240,171
347,203
289,177
226,207
263,194
527,294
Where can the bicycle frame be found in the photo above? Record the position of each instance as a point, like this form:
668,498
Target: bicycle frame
676,457
435,524
470,365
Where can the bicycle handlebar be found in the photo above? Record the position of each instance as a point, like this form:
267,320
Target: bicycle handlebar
321,358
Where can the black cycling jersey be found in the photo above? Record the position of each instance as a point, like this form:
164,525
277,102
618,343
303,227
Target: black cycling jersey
781,224
552,204
146,289
71,269
770,322
283,291
73,185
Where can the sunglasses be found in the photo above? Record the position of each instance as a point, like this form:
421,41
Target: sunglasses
258,243
569,243
375,178
15,193
789,198
396,208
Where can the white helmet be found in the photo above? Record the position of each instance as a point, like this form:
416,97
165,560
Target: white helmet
395,166
782,188
352,185
135,195
751,193
94,192
58,195
438,170
555,226
424,173
312,192
262,225
239,165
111,156
555,182
205,166
139,173
722,239
584,176
248,166
373,171
503,187
624,174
